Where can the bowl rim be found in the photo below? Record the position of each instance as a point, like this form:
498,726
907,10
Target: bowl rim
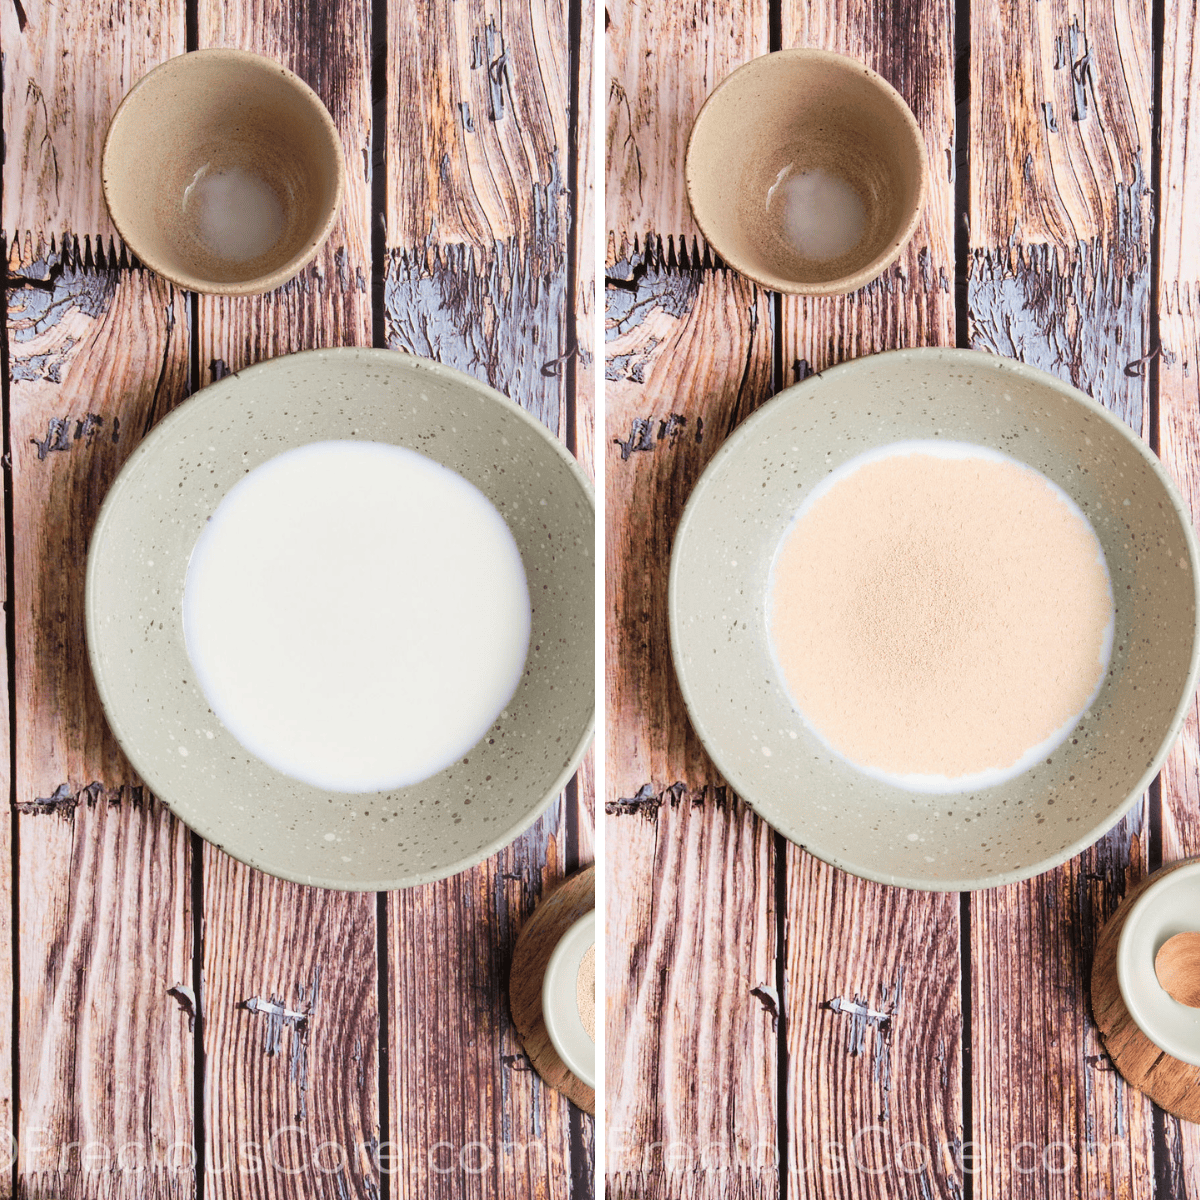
1178,873
259,284
979,360
192,409
564,948
843,285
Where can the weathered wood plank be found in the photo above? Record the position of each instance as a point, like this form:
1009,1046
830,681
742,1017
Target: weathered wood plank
477,235
272,946
691,1045
1059,277
471,1120
104,873
66,68
874,1105
584,233
1178,302
663,60
291,1032
477,100
329,303
690,997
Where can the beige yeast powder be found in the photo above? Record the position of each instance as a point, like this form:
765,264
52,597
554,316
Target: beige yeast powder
585,991
941,616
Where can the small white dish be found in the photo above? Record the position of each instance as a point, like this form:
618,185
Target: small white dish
1169,906
560,1002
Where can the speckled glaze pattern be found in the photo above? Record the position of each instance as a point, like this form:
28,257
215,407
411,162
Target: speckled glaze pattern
138,561
719,569
224,108
805,108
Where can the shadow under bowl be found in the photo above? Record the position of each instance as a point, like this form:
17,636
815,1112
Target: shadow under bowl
747,498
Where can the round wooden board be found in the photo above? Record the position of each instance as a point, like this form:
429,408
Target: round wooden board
1171,1084
572,899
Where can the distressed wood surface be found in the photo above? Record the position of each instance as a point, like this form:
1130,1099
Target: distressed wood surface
690,974
470,1119
294,1084
663,60
875,1101
329,303
1178,380
477,276
1059,277
66,67
104,927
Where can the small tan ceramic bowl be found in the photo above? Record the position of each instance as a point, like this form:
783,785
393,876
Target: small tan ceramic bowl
223,172
791,113
720,566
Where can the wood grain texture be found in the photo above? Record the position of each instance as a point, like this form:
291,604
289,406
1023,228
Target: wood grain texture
477,97
688,356
691,1046
1172,1084
1059,277
584,233
329,303
105,919
66,68
874,1036
875,1103
575,897
477,221
7,900
291,1033
663,60
293,1085
1178,378
690,1004
471,1119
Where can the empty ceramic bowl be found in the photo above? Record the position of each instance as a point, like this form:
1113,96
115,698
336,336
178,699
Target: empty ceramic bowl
223,172
138,561
724,548
806,171
560,1000
1168,906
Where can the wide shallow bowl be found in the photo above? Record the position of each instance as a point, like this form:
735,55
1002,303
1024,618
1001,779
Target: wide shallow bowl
560,1000
1168,906
138,561
727,537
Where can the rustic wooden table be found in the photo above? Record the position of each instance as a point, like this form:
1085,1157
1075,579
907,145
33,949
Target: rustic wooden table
776,1027
181,1025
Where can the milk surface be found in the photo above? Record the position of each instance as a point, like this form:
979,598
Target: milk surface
357,615
822,215
238,215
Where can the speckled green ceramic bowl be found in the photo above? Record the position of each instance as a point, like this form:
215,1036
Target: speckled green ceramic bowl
137,565
728,535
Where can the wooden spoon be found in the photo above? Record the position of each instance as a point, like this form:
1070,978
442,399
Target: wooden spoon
1177,965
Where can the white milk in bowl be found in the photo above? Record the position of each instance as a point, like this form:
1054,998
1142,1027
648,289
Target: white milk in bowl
357,615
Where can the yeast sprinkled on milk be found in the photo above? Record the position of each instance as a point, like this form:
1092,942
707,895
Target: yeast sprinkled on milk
238,215
941,615
357,615
822,216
